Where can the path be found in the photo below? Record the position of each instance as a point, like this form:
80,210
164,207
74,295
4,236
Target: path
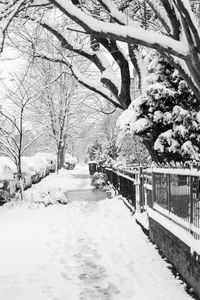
85,250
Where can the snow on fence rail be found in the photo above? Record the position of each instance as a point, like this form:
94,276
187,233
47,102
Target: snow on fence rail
173,193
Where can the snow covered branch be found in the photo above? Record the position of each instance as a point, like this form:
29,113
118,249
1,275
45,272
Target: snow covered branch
180,40
95,87
85,81
123,33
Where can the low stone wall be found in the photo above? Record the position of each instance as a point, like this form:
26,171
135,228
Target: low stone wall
178,253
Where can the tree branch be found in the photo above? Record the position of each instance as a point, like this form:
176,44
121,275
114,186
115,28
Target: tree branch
124,33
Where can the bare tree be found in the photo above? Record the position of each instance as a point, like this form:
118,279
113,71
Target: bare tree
15,127
60,108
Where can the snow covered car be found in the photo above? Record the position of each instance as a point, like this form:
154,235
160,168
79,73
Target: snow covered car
42,166
7,182
70,162
26,177
33,169
50,158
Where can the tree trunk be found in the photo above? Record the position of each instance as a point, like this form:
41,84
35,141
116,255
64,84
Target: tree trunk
150,147
20,178
61,155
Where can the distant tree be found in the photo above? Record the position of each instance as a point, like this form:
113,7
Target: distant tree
54,108
94,151
133,150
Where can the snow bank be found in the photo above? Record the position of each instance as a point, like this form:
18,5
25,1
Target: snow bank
45,197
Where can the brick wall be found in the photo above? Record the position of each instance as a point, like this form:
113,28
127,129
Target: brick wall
178,253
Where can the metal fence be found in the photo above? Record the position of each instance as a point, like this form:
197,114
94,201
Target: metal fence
112,177
177,197
175,194
123,184
146,197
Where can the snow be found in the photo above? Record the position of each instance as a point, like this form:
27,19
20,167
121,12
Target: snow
5,172
126,117
159,90
167,117
108,72
126,176
82,250
142,218
129,117
187,147
198,116
139,125
8,162
180,111
167,136
158,116
70,159
186,172
181,130
65,180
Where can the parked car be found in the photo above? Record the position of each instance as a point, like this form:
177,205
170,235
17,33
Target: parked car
33,169
7,182
42,165
50,158
26,176
70,162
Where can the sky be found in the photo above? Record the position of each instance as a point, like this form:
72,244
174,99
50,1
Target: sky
11,62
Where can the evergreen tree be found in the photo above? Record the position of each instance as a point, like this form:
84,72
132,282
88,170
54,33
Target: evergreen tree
94,151
166,115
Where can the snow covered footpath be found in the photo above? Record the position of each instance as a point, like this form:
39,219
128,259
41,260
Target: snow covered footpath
79,251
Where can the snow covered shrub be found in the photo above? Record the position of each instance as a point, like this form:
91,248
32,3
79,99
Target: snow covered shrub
70,162
99,181
45,197
34,198
166,116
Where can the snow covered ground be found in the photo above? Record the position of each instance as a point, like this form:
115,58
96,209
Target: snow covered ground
79,251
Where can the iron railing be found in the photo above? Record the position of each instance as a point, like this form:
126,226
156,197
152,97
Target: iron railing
112,177
173,193
177,197
123,184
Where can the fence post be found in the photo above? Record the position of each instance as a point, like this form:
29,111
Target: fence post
168,192
191,200
153,188
141,189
